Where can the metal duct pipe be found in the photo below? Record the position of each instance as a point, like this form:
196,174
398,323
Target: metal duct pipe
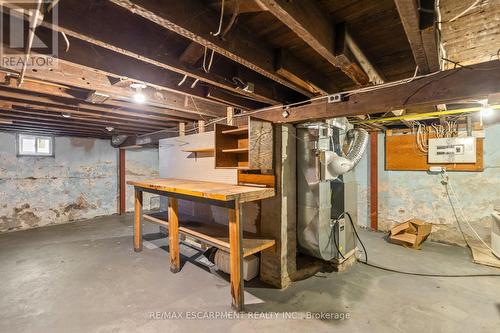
358,147
339,165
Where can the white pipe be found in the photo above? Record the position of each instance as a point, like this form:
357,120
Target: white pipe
31,37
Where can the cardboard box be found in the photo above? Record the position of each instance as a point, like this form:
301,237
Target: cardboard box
411,233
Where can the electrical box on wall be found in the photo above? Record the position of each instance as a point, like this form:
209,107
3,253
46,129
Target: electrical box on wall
452,150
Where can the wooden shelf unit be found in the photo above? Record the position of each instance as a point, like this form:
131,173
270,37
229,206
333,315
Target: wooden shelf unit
244,148
214,234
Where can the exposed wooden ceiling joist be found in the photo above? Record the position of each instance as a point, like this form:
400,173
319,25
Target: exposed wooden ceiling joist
476,81
113,28
58,96
83,120
308,22
192,20
47,130
423,42
21,118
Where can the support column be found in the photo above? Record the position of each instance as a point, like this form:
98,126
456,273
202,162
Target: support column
173,235
236,256
122,190
182,129
230,115
138,221
201,126
374,180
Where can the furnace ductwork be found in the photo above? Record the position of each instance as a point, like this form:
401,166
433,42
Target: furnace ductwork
339,165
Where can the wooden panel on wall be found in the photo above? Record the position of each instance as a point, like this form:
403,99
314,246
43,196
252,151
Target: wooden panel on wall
402,154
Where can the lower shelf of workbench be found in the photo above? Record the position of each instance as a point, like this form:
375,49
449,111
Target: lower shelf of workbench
214,234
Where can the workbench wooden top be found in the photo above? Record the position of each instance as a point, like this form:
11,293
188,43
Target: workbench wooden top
202,189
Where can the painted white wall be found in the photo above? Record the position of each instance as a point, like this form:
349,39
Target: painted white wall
418,194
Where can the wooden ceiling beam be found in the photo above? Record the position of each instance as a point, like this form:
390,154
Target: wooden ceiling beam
473,82
113,28
306,19
195,21
81,120
45,131
70,93
229,99
423,42
30,120
40,107
287,66
15,96
90,79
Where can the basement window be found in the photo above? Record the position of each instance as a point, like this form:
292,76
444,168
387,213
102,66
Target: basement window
35,145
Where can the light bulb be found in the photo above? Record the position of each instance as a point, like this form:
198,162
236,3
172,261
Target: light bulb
139,97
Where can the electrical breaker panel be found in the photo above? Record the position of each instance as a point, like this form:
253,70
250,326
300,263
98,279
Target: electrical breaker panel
452,150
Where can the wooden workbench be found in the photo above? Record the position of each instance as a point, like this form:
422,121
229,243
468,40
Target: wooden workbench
231,239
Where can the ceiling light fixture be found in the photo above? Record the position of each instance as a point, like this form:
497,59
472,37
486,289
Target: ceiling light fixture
110,129
138,96
66,115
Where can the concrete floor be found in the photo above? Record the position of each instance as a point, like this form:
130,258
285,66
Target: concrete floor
85,277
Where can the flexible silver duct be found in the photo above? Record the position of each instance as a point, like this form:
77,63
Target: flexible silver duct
358,147
339,165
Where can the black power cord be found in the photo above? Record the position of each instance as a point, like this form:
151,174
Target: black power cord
399,271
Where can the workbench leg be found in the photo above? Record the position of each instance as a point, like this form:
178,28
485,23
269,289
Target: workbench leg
138,221
236,256
173,235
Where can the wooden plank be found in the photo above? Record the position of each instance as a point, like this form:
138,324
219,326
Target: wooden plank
200,150
310,23
138,221
236,150
374,180
236,131
214,234
239,46
260,144
268,180
233,100
423,43
202,189
402,154
173,235
474,82
481,254
122,188
236,256
286,65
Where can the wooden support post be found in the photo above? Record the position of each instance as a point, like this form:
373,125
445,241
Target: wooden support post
123,189
230,115
138,221
182,129
374,180
173,235
201,126
236,256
